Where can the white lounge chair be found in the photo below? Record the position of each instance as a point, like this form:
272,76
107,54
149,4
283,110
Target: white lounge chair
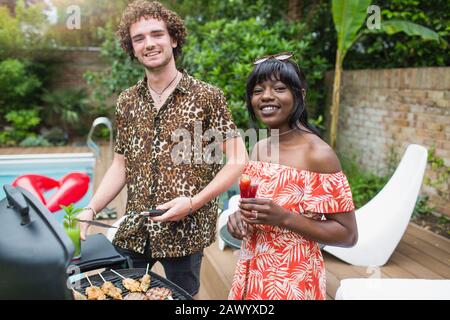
223,218
393,289
383,221
112,232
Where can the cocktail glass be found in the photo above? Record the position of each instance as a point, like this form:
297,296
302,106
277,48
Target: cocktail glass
248,189
74,234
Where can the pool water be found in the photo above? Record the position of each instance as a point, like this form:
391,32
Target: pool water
54,168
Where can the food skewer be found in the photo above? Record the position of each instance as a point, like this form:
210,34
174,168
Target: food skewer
89,280
130,284
118,274
94,292
110,290
77,295
104,281
145,281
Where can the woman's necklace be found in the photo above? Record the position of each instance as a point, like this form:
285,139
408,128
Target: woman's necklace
281,134
159,94
274,145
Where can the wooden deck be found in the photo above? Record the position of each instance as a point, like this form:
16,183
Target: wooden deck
420,254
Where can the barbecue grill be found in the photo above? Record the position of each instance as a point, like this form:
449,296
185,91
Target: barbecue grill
137,273
36,253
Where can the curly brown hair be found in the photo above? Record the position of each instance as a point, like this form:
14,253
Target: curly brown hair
141,8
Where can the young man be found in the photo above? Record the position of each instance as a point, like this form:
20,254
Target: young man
148,115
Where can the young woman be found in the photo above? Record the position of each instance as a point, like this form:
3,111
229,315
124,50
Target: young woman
303,199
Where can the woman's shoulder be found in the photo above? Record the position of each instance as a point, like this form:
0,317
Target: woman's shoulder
321,157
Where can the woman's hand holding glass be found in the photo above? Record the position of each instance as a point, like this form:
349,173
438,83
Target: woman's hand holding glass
242,231
248,189
262,211
237,227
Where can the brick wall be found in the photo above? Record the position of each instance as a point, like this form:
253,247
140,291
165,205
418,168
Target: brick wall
383,111
71,64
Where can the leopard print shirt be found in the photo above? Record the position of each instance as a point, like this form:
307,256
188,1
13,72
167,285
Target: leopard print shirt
145,138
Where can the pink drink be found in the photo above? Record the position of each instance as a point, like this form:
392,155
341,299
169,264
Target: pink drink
244,186
252,191
248,189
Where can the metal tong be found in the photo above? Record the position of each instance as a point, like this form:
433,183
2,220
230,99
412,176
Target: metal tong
150,213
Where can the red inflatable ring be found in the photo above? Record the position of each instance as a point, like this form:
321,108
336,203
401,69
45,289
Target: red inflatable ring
71,188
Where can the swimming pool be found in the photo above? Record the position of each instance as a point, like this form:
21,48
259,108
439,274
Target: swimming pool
52,165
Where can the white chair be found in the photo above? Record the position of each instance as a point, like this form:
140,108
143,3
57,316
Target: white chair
223,218
233,203
393,289
383,221
112,232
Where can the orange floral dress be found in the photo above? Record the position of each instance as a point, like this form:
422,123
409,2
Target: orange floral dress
285,265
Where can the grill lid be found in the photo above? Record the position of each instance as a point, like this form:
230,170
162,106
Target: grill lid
35,250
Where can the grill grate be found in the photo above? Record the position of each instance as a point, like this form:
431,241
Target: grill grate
156,281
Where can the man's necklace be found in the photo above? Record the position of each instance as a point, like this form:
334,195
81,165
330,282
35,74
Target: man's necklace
158,94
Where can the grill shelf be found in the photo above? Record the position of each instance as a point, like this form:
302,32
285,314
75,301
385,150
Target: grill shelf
136,273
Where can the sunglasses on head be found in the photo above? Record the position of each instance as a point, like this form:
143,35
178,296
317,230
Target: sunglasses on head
279,56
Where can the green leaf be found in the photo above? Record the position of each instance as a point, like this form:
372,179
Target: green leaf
410,28
69,217
77,210
348,17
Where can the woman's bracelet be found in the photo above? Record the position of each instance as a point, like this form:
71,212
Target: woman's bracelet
93,211
190,209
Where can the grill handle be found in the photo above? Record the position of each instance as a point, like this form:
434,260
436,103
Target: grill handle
17,200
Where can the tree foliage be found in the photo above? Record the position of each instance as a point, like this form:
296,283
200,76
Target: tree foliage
373,51
122,73
222,53
348,18
94,15
19,86
26,30
205,11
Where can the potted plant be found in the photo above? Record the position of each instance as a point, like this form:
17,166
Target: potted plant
72,228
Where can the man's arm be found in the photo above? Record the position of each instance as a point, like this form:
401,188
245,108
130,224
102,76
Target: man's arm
111,185
237,157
